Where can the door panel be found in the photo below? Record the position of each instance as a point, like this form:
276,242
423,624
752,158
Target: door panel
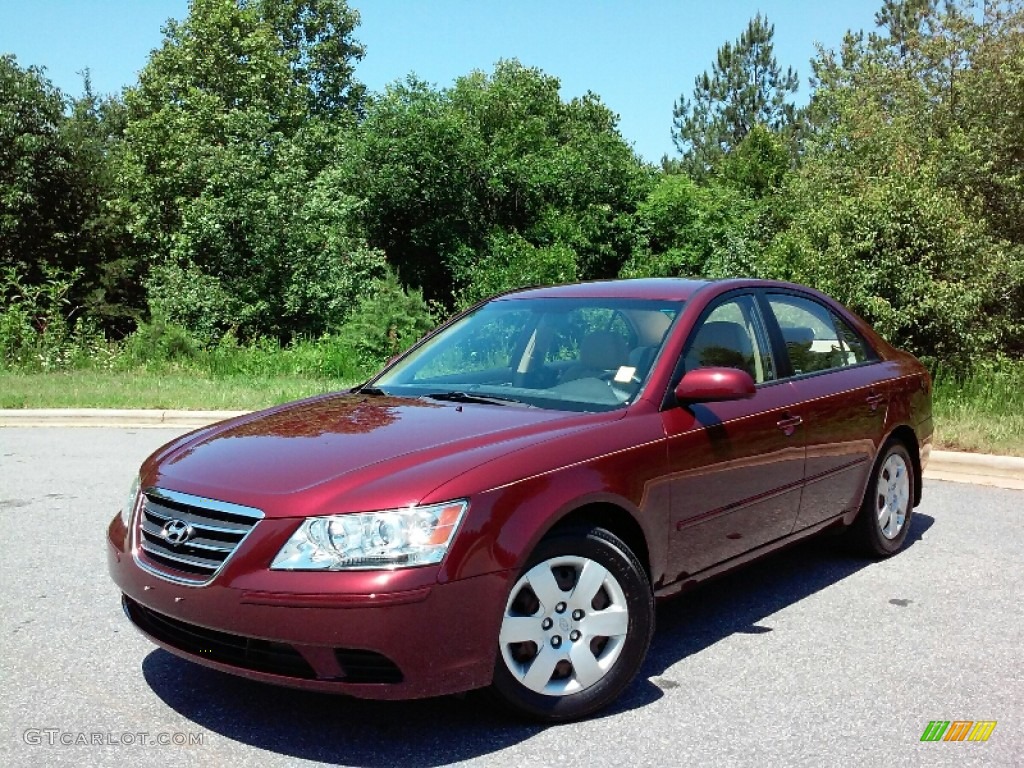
736,472
845,418
736,468
843,390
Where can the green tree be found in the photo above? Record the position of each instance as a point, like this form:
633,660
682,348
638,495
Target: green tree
58,194
758,165
746,87
420,170
37,181
694,230
717,225
496,165
316,38
912,164
110,288
901,250
511,261
234,121
902,21
387,320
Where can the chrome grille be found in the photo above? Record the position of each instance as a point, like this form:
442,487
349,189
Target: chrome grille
216,528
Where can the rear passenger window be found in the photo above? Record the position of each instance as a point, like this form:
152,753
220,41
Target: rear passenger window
816,339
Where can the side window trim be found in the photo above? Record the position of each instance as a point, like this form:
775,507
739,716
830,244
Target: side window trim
763,338
783,365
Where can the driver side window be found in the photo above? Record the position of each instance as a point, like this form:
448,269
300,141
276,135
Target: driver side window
732,336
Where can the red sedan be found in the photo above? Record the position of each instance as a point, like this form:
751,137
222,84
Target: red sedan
502,505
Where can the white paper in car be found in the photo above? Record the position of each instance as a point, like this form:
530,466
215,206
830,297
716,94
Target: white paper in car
625,374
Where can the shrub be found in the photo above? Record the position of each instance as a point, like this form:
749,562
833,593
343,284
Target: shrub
159,341
386,321
904,253
38,331
187,299
513,262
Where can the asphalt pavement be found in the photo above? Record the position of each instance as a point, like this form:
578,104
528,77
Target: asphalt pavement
811,658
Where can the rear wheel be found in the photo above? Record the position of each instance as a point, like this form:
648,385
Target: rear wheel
576,627
884,520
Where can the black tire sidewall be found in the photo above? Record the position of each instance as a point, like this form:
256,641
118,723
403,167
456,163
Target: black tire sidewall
607,549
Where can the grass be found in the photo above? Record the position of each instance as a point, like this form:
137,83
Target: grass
982,414
184,390
163,369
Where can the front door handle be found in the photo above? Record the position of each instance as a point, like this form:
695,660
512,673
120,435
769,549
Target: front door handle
788,424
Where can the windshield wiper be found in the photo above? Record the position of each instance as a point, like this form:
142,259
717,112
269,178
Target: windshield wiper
466,397
371,391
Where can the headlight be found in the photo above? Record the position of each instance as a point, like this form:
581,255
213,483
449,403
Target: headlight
395,538
129,503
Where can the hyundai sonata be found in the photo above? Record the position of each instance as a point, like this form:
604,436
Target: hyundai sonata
502,504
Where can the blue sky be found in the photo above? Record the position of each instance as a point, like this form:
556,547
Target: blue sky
637,56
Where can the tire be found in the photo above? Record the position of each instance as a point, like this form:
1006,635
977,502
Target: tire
576,627
884,519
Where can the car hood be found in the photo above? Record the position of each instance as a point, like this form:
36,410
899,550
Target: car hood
349,452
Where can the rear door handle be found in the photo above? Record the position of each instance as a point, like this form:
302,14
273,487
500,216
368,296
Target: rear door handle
874,400
788,424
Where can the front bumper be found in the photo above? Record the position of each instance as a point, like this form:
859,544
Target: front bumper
407,637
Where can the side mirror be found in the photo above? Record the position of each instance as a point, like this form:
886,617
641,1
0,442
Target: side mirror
713,385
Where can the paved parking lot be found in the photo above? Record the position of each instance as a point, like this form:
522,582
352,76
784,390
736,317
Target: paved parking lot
810,658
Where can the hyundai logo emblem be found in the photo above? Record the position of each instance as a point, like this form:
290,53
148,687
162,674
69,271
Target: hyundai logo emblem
176,532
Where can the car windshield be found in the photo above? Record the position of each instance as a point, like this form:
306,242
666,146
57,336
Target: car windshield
579,354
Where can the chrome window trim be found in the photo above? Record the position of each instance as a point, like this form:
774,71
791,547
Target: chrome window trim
199,502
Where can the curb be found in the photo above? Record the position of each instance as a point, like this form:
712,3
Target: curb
976,468
953,466
106,417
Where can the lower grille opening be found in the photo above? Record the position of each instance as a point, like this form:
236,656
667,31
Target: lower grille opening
359,666
223,647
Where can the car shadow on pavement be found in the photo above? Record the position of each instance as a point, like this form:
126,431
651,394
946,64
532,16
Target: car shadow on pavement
426,733
334,729
739,601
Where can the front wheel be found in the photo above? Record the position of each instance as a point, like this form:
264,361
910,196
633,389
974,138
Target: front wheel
884,519
576,626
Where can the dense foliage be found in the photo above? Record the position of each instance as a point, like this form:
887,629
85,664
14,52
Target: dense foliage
496,180
248,192
908,200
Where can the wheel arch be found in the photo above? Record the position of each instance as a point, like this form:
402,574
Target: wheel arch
614,519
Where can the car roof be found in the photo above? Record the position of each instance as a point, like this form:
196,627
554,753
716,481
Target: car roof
657,288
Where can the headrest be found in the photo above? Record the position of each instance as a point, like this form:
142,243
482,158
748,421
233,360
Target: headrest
603,350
